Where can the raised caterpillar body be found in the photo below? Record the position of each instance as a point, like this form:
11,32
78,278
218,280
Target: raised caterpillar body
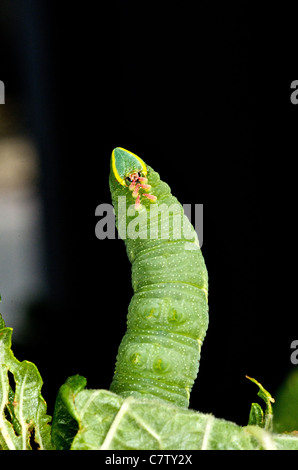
168,313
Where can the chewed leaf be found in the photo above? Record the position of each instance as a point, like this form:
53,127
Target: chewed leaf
24,423
107,421
256,415
65,426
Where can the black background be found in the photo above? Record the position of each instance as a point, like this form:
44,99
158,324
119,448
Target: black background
202,94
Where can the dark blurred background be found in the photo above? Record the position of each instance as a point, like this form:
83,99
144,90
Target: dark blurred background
202,93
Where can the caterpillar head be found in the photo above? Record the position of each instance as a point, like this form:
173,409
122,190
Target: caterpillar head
130,171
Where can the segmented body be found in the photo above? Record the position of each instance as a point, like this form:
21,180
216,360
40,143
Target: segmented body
168,313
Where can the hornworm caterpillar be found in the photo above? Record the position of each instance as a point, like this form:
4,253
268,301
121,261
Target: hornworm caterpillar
168,313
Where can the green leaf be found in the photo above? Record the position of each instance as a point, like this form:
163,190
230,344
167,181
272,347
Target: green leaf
24,423
256,415
107,421
2,324
65,426
286,409
265,440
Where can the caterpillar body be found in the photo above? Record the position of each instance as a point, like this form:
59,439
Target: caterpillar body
168,313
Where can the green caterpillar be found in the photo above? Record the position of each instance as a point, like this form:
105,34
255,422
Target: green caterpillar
168,313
